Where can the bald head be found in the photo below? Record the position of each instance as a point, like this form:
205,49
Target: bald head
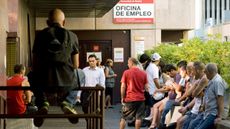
211,70
56,16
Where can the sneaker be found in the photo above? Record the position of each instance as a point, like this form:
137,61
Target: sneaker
68,109
78,101
148,118
42,111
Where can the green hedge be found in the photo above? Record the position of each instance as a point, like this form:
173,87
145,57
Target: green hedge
212,50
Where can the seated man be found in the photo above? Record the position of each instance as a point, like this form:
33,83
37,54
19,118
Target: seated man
55,56
213,100
17,100
75,95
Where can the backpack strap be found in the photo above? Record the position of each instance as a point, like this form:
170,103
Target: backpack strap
78,78
66,36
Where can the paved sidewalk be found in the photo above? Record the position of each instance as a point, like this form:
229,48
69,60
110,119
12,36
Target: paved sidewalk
112,118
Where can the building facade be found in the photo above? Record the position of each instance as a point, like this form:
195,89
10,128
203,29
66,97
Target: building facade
112,35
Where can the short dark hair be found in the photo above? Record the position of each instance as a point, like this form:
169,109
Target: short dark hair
18,68
182,63
143,58
169,67
92,55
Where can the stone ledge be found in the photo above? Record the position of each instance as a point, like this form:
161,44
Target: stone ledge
20,124
224,124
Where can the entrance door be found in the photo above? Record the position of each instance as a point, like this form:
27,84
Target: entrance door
102,47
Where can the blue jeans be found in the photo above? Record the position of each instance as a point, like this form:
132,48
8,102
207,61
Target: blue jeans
201,123
167,108
207,123
195,122
189,118
71,98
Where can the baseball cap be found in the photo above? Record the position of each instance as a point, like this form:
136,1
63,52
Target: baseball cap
155,57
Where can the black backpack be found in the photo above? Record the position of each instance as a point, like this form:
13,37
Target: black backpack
58,49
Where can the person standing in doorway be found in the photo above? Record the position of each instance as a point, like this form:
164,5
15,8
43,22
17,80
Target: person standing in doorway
109,82
55,56
133,84
93,76
99,64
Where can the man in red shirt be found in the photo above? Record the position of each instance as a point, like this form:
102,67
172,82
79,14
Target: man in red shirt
17,99
133,84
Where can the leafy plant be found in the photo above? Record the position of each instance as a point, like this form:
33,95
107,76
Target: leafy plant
212,50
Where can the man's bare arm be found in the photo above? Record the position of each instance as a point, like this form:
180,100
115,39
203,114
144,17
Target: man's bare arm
123,90
156,81
220,104
147,87
200,87
28,93
75,59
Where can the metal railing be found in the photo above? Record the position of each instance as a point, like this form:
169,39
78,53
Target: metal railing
94,118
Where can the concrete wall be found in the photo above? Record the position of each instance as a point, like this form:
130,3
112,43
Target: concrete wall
3,36
223,29
18,23
23,32
168,16
175,14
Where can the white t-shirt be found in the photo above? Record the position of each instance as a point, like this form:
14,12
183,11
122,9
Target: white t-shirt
152,73
196,107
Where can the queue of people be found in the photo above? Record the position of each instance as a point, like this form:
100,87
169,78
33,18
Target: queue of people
197,89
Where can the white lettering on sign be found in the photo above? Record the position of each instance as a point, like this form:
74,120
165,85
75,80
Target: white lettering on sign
134,13
126,8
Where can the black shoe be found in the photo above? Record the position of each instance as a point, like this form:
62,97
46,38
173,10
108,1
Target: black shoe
131,124
42,111
68,109
143,124
162,126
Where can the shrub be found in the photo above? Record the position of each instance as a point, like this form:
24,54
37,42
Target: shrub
212,50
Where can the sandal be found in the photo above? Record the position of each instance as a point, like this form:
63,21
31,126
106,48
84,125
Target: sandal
153,126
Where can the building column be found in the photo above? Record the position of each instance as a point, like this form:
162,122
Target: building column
208,9
222,10
227,5
217,12
213,12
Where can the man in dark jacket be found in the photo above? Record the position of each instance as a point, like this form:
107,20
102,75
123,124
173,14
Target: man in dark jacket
53,73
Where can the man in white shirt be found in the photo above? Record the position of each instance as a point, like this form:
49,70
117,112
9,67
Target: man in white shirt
153,78
93,76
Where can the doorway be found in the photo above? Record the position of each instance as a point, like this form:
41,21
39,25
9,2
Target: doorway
105,41
103,48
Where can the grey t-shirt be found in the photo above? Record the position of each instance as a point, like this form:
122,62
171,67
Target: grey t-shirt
216,87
